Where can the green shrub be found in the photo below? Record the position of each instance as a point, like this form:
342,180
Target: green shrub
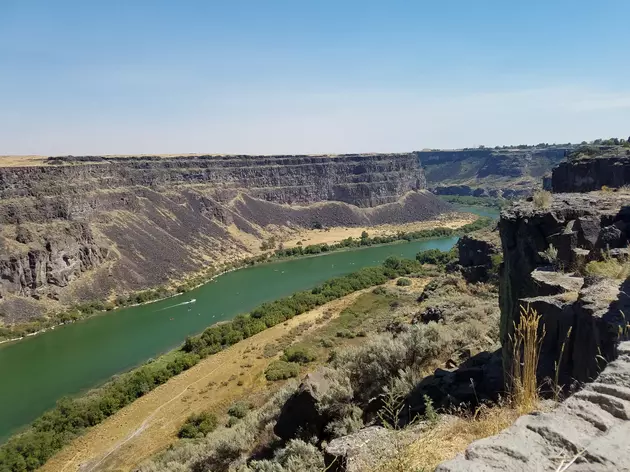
239,410
380,290
299,354
345,333
403,282
282,370
435,257
198,425
609,267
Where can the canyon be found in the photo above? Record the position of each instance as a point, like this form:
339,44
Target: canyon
86,228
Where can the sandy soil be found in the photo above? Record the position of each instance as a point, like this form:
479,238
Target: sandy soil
336,234
150,423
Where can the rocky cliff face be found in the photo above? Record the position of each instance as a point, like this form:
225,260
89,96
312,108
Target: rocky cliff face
82,228
509,173
592,168
545,251
479,253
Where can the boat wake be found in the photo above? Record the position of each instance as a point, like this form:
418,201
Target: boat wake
189,302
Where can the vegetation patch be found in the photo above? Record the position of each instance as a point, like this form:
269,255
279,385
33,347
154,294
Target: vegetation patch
609,267
198,425
282,370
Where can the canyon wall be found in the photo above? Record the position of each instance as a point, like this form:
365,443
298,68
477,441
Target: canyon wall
509,173
82,228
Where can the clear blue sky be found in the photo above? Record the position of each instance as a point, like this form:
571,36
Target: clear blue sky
131,76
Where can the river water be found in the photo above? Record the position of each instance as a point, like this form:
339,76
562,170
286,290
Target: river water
37,371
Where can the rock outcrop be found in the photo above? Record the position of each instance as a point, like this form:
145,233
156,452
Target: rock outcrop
82,228
301,415
542,250
591,428
593,168
478,253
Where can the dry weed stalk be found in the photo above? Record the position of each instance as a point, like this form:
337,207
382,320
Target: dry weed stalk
556,387
526,344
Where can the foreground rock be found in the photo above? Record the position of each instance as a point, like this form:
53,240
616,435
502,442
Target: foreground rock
592,427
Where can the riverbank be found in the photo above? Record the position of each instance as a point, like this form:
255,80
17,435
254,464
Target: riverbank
151,423
307,243
71,418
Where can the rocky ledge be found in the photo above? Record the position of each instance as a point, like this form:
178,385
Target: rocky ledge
591,430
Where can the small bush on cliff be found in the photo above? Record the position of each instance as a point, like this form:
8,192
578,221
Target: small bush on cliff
198,425
542,199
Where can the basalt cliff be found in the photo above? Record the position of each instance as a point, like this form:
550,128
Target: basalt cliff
83,228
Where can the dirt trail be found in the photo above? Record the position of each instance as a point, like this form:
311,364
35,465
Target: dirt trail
151,422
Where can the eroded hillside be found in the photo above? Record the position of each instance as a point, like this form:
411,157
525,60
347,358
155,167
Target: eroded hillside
83,228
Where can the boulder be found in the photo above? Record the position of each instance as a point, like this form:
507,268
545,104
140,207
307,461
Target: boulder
553,283
360,451
300,416
478,379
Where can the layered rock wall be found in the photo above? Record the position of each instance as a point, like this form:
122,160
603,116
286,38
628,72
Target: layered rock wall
139,222
361,180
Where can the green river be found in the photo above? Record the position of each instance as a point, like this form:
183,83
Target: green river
37,371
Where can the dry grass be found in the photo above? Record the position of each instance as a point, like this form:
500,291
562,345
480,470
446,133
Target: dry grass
526,343
609,267
451,436
542,199
337,234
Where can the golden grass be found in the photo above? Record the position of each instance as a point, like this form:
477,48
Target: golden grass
450,437
339,233
542,199
526,343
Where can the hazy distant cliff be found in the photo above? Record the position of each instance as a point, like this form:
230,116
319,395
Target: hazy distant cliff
83,227
490,172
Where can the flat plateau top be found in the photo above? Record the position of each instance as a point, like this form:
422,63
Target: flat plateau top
34,160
